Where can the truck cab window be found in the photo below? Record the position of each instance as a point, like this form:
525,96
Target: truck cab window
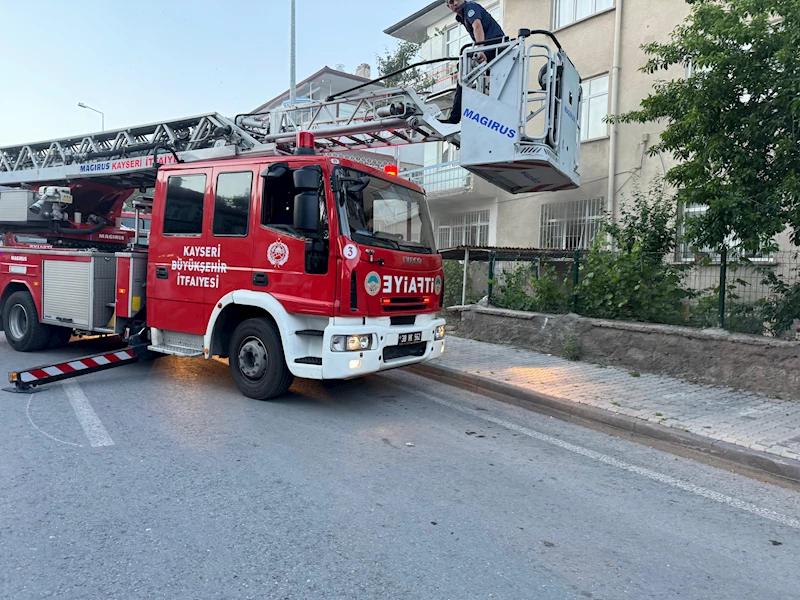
232,204
277,208
183,209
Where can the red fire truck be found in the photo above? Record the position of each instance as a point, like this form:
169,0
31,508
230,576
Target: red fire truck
273,242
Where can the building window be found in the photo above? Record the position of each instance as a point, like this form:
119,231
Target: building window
688,252
569,11
571,225
183,209
232,203
468,229
594,108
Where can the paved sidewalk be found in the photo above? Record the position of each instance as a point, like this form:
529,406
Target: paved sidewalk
745,419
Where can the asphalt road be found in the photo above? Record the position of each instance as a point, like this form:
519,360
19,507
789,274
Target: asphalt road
161,481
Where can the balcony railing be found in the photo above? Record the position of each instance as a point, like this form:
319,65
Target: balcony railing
438,79
444,179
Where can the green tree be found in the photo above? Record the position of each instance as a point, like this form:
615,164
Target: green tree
405,54
733,123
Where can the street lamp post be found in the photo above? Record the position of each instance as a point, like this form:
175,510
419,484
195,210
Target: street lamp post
102,116
292,88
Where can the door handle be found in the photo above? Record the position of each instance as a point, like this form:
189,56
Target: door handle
162,273
260,279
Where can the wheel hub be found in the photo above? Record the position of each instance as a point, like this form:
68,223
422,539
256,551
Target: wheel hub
252,358
18,321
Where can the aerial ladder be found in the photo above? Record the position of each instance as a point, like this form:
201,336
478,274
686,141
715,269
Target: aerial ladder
520,130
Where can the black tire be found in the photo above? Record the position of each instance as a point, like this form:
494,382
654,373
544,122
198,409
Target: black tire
258,366
59,336
21,324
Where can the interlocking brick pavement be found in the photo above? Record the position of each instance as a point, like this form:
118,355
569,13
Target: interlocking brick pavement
748,419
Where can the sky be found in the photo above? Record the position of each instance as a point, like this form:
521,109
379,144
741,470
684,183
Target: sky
148,60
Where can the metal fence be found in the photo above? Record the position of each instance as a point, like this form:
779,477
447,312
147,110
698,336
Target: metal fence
743,294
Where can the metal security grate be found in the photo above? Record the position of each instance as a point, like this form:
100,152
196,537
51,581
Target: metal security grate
467,229
571,225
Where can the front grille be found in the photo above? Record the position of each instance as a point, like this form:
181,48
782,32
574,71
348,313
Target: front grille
406,320
394,352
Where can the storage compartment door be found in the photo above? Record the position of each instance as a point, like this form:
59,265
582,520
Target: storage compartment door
67,292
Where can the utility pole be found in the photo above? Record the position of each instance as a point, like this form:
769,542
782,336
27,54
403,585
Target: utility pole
292,90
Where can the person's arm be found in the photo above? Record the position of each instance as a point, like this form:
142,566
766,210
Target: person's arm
477,29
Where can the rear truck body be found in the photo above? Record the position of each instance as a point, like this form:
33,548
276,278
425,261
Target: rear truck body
292,266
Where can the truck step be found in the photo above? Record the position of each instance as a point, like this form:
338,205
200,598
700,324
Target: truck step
176,350
311,332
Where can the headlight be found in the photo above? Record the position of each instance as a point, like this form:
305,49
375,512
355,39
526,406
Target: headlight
438,333
351,343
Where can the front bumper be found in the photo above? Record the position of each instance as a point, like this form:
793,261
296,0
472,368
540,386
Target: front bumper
386,352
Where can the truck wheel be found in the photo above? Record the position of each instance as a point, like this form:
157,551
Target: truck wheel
258,365
21,323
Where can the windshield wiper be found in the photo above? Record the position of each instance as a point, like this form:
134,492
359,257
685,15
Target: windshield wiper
376,236
416,247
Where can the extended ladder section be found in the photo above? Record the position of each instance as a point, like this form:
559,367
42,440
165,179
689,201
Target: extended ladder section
520,128
124,157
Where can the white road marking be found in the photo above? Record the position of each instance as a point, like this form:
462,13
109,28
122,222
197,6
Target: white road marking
28,413
97,434
609,460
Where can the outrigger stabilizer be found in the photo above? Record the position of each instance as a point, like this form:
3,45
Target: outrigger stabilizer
29,380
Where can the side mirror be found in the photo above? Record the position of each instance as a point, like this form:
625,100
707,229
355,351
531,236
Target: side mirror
306,203
275,171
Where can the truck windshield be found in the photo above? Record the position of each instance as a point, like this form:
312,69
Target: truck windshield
380,213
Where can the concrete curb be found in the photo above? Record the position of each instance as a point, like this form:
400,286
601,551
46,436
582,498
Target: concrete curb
567,409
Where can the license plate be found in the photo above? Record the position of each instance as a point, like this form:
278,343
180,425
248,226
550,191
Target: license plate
409,338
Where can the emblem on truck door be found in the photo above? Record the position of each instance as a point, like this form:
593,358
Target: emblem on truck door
437,285
278,254
372,283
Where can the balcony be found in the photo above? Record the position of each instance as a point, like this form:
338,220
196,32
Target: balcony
449,181
444,179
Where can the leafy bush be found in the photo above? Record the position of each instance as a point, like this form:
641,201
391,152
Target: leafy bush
635,282
630,285
740,317
453,284
781,309
520,289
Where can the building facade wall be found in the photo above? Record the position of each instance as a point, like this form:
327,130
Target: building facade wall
589,42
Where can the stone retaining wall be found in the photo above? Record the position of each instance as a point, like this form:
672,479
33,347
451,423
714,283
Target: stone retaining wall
713,356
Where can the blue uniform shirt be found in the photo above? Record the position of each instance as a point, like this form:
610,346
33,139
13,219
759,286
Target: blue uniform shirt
475,12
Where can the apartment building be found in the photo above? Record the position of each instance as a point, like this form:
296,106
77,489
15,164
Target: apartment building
470,211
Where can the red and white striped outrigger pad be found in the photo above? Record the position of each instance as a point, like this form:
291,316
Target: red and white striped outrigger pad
41,374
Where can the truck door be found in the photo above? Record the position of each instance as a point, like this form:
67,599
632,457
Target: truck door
233,224
297,263
180,253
